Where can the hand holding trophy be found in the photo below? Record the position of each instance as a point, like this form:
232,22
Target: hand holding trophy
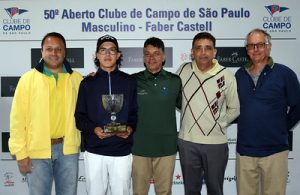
113,104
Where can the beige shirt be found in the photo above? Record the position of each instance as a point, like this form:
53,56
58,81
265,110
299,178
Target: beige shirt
209,104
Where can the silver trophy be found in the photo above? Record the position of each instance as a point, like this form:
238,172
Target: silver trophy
113,104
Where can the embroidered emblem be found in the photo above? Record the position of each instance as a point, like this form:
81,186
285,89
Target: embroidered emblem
221,82
142,92
164,91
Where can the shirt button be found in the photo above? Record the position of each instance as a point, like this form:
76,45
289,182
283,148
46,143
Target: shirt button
155,84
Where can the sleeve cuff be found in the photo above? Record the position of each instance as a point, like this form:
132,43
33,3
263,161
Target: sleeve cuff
21,155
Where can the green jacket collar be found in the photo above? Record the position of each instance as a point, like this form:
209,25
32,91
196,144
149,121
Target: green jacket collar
40,66
149,75
47,72
270,63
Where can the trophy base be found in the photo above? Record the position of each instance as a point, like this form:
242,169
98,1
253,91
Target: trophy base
115,128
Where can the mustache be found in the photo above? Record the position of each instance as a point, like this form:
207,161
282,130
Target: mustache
204,57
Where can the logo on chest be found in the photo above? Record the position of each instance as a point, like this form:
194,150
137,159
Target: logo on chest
164,91
142,92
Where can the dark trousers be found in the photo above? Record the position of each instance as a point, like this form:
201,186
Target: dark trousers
203,163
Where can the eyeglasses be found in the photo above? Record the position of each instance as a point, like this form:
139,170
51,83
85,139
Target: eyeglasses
258,46
111,51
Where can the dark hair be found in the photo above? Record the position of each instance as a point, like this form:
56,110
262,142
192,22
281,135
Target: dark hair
155,42
204,35
54,34
100,41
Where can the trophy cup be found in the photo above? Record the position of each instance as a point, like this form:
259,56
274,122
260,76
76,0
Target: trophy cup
112,104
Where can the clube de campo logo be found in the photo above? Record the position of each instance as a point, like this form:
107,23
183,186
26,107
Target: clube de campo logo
278,19
11,11
273,9
16,21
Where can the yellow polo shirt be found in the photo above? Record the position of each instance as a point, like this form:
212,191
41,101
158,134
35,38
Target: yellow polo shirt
57,85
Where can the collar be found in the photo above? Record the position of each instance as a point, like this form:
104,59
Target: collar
47,72
270,63
101,72
40,66
149,75
216,67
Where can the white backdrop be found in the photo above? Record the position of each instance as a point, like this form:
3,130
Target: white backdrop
24,23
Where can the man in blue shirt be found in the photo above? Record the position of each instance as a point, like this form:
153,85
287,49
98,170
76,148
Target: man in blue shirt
270,106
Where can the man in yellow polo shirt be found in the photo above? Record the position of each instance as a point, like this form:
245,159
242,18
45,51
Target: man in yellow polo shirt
43,134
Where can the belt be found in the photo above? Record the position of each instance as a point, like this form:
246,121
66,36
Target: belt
57,141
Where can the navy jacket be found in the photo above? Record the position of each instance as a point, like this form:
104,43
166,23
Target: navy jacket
90,113
268,110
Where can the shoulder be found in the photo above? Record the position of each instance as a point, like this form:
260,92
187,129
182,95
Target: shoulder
25,79
127,77
239,71
185,70
283,68
124,74
76,75
172,76
228,72
223,70
30,74
285,73
138,74
88,79
28,78
186,65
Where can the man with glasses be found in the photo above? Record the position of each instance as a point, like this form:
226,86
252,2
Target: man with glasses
155,140
107,159
269,95
209,104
